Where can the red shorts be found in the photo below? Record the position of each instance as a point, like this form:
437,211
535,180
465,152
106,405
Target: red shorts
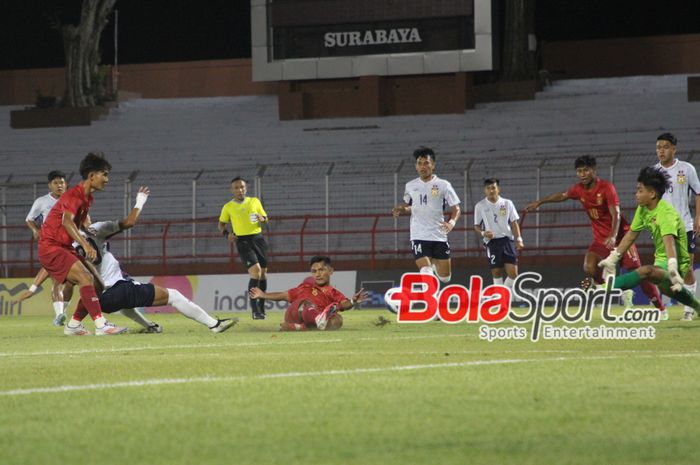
57,261
630,260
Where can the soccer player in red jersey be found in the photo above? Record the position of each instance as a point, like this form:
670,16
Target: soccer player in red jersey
599,198
56,252
314,303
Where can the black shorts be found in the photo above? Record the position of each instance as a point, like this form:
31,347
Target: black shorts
127,294
691,242
431,249
252,249
501,251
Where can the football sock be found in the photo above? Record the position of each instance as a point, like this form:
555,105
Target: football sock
691,288
80,312
137,316
190,309
58,308
498,281
89,299
652,292
426,270
627,280
261,302
253,302
65,306
509,283
686,298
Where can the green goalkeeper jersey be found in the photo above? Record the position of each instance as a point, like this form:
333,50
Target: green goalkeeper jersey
662,221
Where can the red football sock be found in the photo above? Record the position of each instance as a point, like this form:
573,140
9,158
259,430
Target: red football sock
652,292
89,299
80,312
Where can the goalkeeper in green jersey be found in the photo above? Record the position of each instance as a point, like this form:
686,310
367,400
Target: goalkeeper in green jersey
671,259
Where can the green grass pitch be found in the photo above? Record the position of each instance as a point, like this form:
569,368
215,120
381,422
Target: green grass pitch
398,394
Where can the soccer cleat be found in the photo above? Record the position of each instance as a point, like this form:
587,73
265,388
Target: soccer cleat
627,298
155,328
587,283
323,317
258,316
75,330
663,315
687,316
223,325
110,330
59,320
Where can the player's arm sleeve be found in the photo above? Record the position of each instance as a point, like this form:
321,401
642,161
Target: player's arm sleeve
407,198
259,208
451,196
637,224
512,212
224,216
294,294
611,195
478,217
693,181
69,204
33,212
572,193
667,223
105,229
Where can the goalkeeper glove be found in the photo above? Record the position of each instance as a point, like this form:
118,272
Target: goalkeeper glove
609,264
676,280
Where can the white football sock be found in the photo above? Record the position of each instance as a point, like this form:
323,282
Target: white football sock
58,308
498,281
137,316
691,288
426,270
190,309
509,283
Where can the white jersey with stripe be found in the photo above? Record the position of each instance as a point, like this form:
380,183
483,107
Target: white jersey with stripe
428,201
684,184
109,268
41,208
496,217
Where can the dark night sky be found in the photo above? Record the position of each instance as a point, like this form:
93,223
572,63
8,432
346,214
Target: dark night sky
180,30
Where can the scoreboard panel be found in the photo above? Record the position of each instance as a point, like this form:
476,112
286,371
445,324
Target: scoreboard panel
324,39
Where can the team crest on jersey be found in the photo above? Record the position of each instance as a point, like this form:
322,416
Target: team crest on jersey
502,210
599,198
681,177
434,191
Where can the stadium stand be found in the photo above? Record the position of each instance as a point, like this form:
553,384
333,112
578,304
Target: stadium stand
188,150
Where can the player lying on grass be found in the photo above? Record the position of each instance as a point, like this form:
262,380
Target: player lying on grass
314,303
667,229
123,293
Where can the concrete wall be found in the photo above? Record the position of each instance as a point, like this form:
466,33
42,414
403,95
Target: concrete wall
152,80
678,54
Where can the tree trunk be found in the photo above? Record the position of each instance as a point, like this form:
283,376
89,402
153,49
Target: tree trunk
82,51
518,60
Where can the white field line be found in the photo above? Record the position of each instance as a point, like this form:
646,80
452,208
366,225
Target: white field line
280,343
305,374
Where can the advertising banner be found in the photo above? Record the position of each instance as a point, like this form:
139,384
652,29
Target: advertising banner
214,293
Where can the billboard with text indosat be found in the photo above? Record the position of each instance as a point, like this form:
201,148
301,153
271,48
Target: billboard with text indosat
214,293
313,39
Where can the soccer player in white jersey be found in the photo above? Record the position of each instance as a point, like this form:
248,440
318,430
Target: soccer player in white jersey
60,295
426,198
684,185
123,293
496,220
